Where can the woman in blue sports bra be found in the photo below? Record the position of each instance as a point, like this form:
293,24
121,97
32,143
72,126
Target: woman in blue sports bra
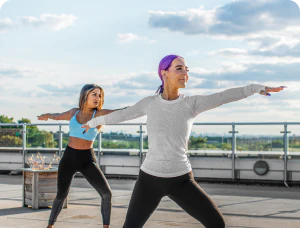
79,155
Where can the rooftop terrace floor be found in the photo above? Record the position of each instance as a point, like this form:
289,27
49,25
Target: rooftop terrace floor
242,206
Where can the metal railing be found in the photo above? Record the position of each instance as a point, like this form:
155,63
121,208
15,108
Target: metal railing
233,132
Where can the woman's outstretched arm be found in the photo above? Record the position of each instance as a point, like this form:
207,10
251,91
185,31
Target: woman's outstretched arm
137,110
103,112
59,116
201,103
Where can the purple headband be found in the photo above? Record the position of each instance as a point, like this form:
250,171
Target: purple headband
165,64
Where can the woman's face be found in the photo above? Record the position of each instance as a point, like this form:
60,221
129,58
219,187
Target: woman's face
93,98
177,74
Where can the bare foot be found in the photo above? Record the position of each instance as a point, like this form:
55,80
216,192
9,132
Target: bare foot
50,226
105,226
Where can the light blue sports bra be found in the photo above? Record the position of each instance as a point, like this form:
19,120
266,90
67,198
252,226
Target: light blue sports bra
77,131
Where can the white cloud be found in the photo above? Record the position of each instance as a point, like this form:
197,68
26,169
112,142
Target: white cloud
52,89
270,27
6,24
265,49
12,72
278,50
142,82
235,19
229,51
54,22
195,52
253,72
129,37
127,89
193,21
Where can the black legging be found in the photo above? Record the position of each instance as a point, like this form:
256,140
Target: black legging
83,161
149,190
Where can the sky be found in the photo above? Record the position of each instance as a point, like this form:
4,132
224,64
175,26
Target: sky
49,49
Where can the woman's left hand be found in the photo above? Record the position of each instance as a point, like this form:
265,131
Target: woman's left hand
272,90
87,128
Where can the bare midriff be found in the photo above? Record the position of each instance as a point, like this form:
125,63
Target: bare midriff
80,144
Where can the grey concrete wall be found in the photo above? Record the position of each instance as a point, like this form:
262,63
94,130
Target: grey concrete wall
203,166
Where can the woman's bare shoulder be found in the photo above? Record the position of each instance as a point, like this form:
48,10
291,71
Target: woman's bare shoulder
73,111
103,112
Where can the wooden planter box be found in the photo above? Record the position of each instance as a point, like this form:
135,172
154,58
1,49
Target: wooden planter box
39,188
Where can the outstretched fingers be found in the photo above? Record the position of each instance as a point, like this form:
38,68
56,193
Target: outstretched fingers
272,90
42,117
275,89
86,128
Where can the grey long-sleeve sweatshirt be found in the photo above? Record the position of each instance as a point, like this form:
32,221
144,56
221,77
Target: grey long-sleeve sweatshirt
169,124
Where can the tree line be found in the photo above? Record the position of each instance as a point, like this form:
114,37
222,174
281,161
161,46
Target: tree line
35,137
114,140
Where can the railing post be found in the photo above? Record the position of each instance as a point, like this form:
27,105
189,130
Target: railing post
99,146
23,162
23,144
286,148
233,147
141,144
60,139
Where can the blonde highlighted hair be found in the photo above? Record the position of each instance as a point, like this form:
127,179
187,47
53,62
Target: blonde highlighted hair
85,91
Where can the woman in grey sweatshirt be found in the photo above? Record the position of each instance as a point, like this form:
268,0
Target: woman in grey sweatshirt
166,170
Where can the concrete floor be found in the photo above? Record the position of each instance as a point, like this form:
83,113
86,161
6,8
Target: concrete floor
241,205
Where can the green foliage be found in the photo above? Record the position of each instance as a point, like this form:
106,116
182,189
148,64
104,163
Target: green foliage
35,137
27,121
226,146
24,120
277,144
198,143
113,144
10,140
65,142
114,140
6,119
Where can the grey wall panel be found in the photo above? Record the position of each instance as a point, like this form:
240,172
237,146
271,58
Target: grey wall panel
203,167
253,176
119,160
293,165
122,170
212,173
295,176
211,162
248,163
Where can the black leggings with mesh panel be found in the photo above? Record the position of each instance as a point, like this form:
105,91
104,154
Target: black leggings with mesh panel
85,162
149,190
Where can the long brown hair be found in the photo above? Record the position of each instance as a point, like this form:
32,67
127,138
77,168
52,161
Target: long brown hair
86,89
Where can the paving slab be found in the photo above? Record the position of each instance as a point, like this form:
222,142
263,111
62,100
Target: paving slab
242,206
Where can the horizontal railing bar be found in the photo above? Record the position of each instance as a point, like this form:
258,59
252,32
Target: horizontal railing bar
11,148
138,124
237,152
66,124
56,149
146,150
9,125
250,123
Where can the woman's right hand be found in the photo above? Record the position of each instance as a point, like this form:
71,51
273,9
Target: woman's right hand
43,117
271,90
87,128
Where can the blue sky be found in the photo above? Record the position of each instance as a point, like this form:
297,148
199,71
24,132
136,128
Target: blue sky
50,49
